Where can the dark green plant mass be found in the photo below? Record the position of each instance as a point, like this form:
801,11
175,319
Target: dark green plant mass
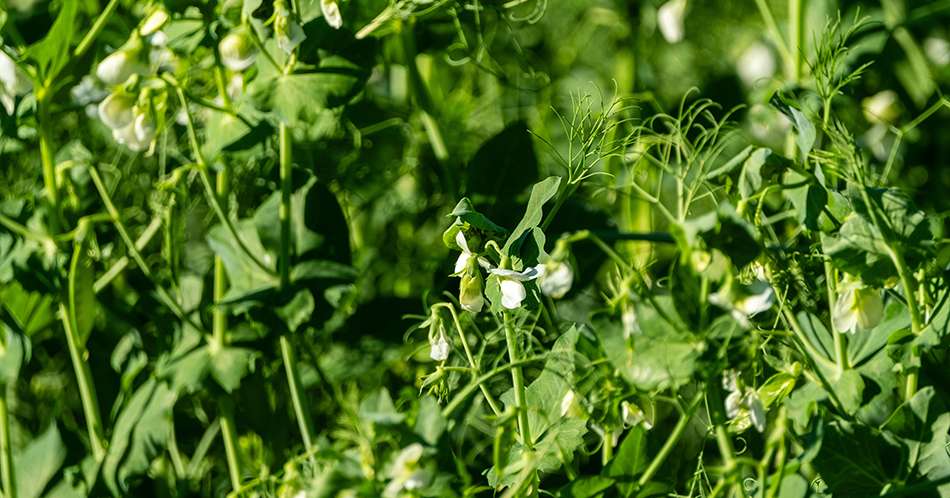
474,248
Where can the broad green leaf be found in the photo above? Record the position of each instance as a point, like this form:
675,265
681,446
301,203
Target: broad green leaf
585,487
805,131
378,408
467,213
38,462
244,275
53,51
817,334
505,164
750,179
231,364
631,459
802,405
140,433
934,461
541,193
809,200
863,345
298,97
14,352
430,423
849,388
298,310
855,461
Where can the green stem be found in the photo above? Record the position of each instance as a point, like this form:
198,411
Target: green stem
79,355
97,27
296,393
671,441
286,178
120,265
517,381
49,169
470,388
841,346
795,33
220,339
163,294
476,371
6,449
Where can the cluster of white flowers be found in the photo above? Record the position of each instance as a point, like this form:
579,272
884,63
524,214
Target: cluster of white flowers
131,116
857,308
13,82
743,404
555,278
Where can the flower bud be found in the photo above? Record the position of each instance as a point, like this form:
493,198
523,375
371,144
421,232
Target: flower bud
237,50
154,22
116,110
470,291
557,279
669,17
882,107
289,33
438,344
120,65
331,12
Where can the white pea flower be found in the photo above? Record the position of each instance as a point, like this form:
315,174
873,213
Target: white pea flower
745,303
237,50
629,320
439,348
512,288
633,415
13,82
937,50
757,63
154,22
120,65
331,12
670,18
470,292
405,473
466,254
116,110
882,107
289,33
858,308
556,279
743,404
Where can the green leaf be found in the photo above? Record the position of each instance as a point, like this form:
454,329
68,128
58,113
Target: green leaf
732,163
849,388
140,433
230,364
585,487
378,408
757,166
298,97
430,423
298,310
934,460
38,462
806,132
52,52
809,200
817,334
13,353
630,461
468,214
505,165
724,230
855,461
862,346
244,275
541,193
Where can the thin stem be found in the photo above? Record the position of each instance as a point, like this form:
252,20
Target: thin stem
671,441
220,338
469,389
97,27
49,169
476,371
6,450
795,33
163,294
79,355
841,346
286,177
120,265
517,381
296,394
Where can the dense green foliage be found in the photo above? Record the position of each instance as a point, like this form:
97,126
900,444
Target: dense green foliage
449,248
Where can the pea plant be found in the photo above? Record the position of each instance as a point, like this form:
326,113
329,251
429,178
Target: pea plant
398,248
